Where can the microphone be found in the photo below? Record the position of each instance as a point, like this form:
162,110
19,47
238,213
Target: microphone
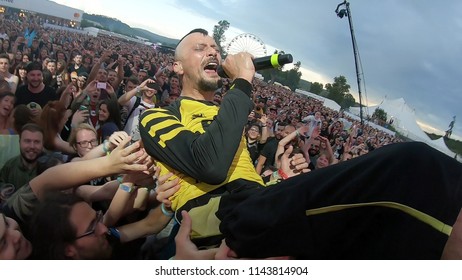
265,62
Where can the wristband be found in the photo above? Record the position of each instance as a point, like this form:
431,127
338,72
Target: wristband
282,174
126,188
138,90
165,211
119,179
105,149
276,175
114,232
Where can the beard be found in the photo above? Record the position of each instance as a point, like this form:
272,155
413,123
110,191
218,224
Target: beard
28,160
313,152
207,85
35,84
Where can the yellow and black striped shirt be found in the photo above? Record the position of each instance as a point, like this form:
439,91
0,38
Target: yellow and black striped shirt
201,143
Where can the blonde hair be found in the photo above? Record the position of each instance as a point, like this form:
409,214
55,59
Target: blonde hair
73,136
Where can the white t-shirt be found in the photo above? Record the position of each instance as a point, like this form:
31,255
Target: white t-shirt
132,124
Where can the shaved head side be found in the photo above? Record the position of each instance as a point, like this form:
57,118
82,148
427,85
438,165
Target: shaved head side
179,45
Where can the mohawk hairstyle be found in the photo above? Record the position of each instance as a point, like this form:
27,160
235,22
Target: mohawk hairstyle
197,30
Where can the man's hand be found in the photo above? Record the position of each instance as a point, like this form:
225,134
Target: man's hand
165,189
125,159
116,138
239,65
79,117
185,249
294,165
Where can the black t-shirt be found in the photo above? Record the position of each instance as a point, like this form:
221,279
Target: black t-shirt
254,150
269,151
24,96
79,70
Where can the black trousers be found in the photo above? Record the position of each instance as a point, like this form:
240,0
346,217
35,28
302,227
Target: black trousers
397,202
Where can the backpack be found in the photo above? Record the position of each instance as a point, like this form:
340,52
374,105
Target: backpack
137,103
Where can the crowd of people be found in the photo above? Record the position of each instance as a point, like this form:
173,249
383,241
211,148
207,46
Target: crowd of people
119,142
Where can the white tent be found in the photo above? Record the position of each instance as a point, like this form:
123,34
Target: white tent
47,8
376,126
326,102
404,122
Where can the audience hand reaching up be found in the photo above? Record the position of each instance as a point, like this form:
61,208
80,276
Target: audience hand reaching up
127,159
166,188
116,138
293,165
185,249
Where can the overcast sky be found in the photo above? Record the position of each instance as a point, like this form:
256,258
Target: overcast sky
408,49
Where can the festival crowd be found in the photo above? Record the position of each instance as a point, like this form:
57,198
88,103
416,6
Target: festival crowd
82,185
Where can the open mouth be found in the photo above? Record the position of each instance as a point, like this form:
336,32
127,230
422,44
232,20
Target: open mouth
211,67
7,110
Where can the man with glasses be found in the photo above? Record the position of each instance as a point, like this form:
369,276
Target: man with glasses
84,139
22,204
75,232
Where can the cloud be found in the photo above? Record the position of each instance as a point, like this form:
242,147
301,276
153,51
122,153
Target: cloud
408,49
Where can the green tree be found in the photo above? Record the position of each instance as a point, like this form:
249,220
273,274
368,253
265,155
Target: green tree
272,75
293,76
338,89
380,115
348,101
219,34
290,78
316,88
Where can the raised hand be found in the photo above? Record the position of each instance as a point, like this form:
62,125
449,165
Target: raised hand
294,165
165,188
185,249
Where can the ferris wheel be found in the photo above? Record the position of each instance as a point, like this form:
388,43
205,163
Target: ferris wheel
247,43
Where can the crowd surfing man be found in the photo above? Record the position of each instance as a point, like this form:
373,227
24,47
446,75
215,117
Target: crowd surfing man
366,208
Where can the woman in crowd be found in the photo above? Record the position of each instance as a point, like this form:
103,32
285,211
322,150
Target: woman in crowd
21,72
6,46
16,61
109,118
25,57
53,118
62,76
322,161
81,84
6,108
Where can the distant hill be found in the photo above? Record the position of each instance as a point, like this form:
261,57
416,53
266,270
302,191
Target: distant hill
155,38
115,25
